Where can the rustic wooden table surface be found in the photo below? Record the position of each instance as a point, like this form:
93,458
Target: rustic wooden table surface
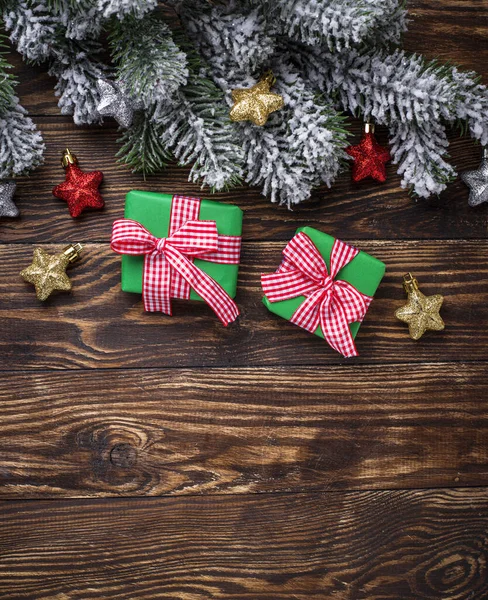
147,457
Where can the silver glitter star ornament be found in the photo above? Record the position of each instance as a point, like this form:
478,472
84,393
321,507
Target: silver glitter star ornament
114,103
477,181
7,206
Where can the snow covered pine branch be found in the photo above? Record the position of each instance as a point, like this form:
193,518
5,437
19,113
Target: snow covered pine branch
174,64
21,145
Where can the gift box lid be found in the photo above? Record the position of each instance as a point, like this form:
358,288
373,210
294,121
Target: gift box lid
153,211
364,272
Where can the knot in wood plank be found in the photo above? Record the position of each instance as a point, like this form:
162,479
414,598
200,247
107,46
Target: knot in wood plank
123,456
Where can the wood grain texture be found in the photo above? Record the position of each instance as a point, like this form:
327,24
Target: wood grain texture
253,433
385,545
225,431
98,326
451,30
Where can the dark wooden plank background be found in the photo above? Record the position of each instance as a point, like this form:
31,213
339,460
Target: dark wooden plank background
147,457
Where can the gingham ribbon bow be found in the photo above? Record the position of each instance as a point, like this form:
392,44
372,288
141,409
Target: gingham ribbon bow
329,302
164,258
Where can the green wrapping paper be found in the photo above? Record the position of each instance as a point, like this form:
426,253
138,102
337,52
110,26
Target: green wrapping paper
364,272
153,211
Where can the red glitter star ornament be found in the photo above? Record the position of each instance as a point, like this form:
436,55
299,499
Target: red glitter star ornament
369,157
79,190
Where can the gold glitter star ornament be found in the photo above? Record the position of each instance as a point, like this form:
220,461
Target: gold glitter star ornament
421,313
257,103
48,271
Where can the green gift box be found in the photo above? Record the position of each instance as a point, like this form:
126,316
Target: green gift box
153,211
364,272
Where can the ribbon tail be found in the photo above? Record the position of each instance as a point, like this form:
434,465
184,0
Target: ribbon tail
156,284
214,295
354,302
335,327
307,314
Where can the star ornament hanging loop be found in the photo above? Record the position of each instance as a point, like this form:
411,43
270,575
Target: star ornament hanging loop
256,103
421,313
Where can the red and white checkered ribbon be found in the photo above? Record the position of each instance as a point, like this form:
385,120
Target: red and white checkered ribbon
333,304
168,268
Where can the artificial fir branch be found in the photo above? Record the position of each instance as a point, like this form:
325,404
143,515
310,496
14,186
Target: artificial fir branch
32,29
150,66
230,55
77,69
21,145
302,145
123,8
248,38
191,123
328,56
58,36
35,22
471,104
7,79
62,5
339,24
414,98
420,152
291,158
197,128
142,147
198,132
